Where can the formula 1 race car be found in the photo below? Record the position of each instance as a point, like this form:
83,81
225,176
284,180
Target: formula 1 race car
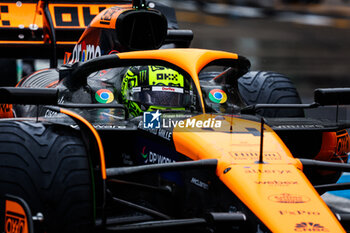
128,137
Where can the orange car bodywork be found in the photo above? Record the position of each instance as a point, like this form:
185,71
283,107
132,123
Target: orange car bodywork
276,191
15,218
71,16
335,146
6,111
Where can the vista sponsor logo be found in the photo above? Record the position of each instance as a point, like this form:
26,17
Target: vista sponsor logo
289,198
299,213
155,158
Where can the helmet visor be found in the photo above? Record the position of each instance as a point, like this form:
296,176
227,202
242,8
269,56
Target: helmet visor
161,96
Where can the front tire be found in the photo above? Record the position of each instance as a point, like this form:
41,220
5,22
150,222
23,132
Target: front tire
47,166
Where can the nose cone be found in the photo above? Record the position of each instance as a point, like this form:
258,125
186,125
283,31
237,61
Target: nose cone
276,191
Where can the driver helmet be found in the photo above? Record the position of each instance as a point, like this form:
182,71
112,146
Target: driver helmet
148,88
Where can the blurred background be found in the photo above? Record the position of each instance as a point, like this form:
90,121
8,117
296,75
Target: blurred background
307,40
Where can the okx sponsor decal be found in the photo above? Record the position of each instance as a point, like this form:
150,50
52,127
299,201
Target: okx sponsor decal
154,158
16,218
14,222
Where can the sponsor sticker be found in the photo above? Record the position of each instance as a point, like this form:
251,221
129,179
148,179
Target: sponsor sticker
253,156
343,145
84,52
310,226
276,182
167,76
15,218
14,222
136,89
108,15
4,10
299,213
249,170
199,183
289,198
168,89
104,96
217,96
154,158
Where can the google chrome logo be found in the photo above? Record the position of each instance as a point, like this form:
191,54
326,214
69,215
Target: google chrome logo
217,96
104,96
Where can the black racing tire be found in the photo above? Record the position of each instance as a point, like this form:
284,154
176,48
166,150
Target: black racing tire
263,87
47,166
41,78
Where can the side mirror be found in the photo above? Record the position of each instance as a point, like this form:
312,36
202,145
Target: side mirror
332,96
23,95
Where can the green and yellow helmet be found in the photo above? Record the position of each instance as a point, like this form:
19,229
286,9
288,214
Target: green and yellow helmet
147,88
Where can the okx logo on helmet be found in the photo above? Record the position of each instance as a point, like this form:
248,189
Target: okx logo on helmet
148,88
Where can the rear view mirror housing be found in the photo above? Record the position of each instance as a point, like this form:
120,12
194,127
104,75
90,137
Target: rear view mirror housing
332,96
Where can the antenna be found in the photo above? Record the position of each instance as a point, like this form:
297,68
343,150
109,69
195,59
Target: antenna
337,112
261,140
